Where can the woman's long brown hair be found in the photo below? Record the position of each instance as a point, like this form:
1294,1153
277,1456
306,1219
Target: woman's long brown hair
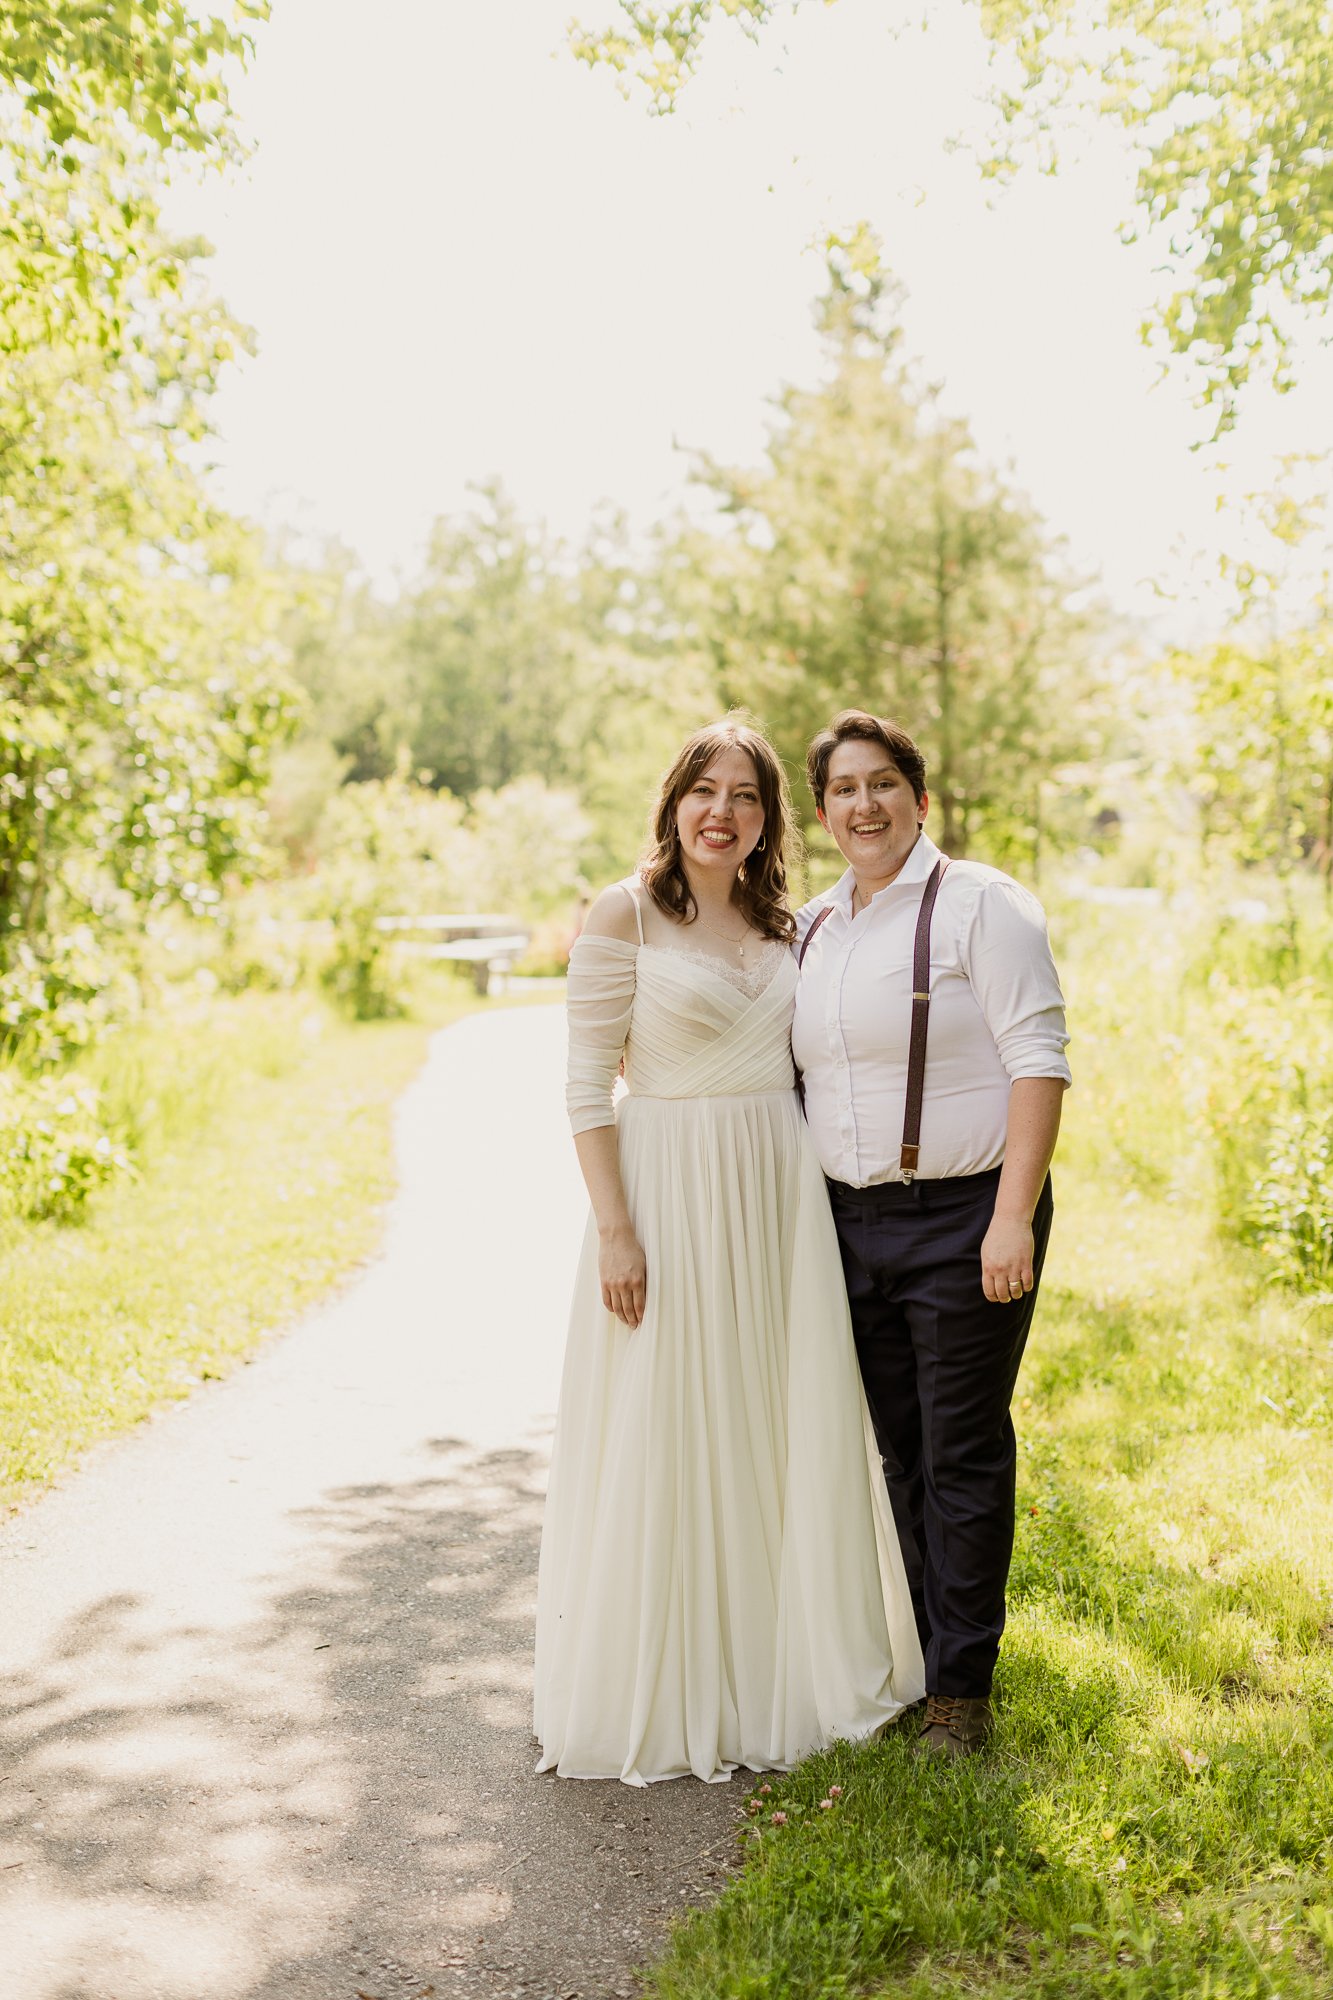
761,887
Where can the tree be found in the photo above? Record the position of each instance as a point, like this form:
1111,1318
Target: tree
1261,764
658,45
140,671
1232,109
876,561
74,65
489,653
1263,760
1233,112
525,658
643,686
345,645
93,96
511,657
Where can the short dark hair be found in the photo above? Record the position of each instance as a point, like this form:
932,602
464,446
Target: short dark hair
855,725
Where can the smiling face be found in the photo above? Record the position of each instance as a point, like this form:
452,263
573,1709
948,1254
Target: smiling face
871,811
720,817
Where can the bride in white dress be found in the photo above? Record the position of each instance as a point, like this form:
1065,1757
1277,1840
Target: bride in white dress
721,1582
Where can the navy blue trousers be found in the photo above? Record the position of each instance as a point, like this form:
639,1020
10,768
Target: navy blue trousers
939,1361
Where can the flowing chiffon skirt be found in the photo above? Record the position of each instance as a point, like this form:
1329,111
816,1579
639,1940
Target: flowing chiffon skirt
721,1583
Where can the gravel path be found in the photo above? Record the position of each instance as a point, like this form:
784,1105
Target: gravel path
265,1665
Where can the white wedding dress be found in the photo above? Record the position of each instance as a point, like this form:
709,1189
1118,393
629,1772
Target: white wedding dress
720,1582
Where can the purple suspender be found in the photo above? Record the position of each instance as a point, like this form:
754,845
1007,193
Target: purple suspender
827,911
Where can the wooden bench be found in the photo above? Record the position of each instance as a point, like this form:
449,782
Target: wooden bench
489,944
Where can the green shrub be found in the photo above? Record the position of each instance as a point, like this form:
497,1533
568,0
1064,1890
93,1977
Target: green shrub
55,1001
55,1150
1269,1112
389,848
263,947
1290,1214
362,973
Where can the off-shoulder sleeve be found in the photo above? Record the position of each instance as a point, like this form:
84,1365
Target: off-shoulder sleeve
599,1001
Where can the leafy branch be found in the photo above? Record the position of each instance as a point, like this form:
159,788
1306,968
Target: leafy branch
1231,107
73,64
659,46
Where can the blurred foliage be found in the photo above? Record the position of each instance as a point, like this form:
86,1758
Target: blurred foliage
393,848
1267,1100
1232,111
527,843
55,1150
490,643
155,63
55,1000
656,43
386,845
877,561
523,656
140,679
1290,1214
510,657
1229,105
340,639
1263,754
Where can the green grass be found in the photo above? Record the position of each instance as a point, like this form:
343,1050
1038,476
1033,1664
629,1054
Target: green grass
262,1130
1154,1820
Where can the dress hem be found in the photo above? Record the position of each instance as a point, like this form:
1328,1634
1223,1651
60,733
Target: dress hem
723,1773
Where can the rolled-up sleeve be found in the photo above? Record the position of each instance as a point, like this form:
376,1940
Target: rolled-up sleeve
1007,957
599,1001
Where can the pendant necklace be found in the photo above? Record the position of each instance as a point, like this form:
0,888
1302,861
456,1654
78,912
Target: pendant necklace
715,932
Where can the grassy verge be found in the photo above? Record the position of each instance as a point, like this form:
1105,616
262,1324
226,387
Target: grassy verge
262,1128
1155,1818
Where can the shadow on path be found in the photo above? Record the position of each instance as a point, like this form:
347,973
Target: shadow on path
337,1798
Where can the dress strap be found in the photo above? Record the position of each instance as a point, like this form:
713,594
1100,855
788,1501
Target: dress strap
633,895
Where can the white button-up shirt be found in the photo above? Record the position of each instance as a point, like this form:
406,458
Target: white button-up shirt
996,1013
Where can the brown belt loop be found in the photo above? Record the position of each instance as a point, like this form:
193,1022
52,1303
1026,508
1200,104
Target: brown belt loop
916,1050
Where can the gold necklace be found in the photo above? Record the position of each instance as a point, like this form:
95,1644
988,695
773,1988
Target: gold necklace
715,932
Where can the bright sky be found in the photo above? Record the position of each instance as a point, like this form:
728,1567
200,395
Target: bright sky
466,255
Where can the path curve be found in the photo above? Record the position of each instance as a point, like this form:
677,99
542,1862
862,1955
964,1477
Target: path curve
265,1664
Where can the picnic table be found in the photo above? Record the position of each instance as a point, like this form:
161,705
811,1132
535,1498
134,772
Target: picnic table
491,945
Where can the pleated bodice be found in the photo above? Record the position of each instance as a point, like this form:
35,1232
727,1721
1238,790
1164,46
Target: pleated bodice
692,1034
684,1029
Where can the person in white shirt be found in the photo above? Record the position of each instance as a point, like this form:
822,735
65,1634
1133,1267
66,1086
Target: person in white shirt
942,1233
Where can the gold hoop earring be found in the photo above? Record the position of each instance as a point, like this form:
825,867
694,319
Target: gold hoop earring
761,845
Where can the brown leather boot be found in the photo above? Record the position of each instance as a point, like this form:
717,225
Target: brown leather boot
954,1725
